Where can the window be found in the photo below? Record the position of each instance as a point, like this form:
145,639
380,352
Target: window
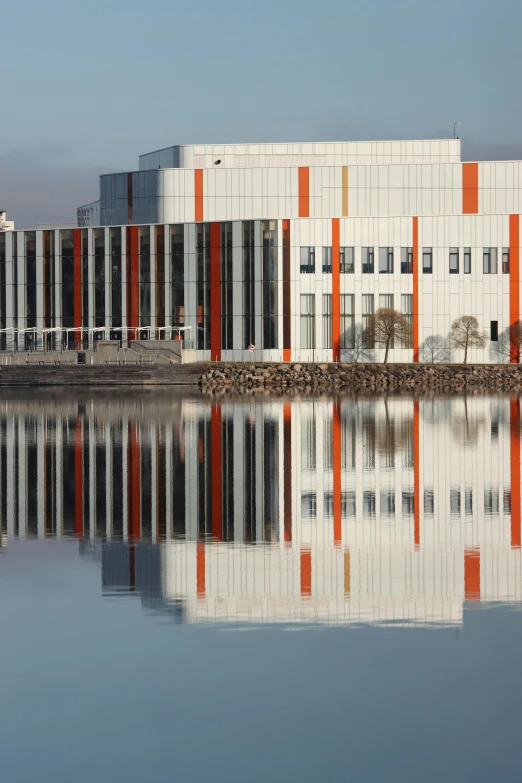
408,503
347,321
387,502
386,260
367,260
327,260
427,260
406,260
307,260
368,503
368,337
467,260
347,260
505,260
386,301
307,321
429,502
308,505
407,311
454,260
491,501
494,331
489,257
455,502
468,501
327,320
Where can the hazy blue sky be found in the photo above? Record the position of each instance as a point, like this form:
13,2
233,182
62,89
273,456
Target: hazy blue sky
89,86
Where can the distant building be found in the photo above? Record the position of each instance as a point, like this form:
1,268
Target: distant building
5,225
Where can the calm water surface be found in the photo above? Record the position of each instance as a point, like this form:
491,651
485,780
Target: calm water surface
250,591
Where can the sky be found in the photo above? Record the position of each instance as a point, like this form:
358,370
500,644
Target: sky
87,87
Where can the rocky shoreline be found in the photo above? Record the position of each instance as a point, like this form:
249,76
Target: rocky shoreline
360,378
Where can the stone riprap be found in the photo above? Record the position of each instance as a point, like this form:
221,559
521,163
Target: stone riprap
360,378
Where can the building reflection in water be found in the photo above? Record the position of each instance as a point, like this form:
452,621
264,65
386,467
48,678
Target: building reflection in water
387,510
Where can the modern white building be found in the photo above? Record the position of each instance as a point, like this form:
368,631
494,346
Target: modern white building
287,247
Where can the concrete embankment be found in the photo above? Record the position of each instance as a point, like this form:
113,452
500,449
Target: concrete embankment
361,378
102,375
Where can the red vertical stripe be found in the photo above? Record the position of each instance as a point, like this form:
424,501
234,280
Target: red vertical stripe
514,448
77,282
133,289
198,195
306,572
416,308
304,191
287,470
470,188
215,292
472,574
514,278
287,328
200,569
217,472
416,475
133,481
78,479
336,290
336,450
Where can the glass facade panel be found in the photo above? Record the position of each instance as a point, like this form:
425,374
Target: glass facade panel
386,260
99,276
505,260
67,281
226,286
116,276
177,276
489,260
347,260
249,285
269,271
307,321
454,260
406,260
427,260
367,260
467,260
144,272
327,260
307,257
347,321
368,336
327,320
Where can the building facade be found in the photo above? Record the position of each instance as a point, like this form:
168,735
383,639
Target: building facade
289,248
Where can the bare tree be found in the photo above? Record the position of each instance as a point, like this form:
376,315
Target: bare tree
389,327
464,333
435,350
356,349
507,348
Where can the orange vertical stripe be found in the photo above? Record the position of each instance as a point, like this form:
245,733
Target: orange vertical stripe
78,479
215,292
514,448
514,277
77,282
336,290
306,572
416,475
287,470
200,569
470,188
217,472
347,572
198,195
472,574
304,191
415,335
287,324
345,192
134,486
336,451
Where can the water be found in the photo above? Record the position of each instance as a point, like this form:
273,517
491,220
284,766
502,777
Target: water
251,591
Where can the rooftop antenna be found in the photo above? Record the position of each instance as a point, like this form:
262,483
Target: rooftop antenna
455,129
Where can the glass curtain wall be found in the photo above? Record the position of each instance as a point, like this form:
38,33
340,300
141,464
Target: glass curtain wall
144,272
269,282
226,286
203,284
67,301
249,285
177,275
116,282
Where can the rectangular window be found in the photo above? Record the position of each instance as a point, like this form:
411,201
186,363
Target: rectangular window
505,260
269,282
494,331
307,260
159,243
367,260
249,284
367,312
307,320
455,502
406,260
226,285
429,502
347,321
454,260
203,284
30,285
347,260
386,301
327,260
327,320
116,276
427,260
144,270
468,501
407,311
67,254
489,257
467,260
386,260
177,278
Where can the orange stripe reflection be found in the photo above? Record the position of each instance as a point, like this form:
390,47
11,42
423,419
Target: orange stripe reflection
200,569
514,447
306,572
472,574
